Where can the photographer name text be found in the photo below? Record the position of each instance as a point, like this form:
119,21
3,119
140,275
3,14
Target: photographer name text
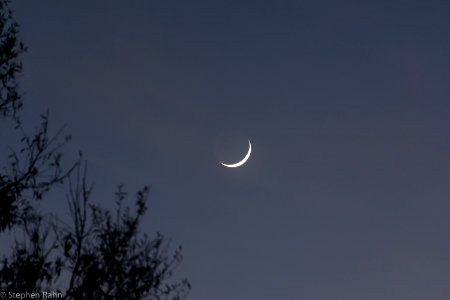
31,295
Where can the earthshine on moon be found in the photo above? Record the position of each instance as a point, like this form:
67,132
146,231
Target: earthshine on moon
238,164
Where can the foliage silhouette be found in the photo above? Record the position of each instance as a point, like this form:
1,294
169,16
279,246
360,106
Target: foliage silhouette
10,102
107,256
97,254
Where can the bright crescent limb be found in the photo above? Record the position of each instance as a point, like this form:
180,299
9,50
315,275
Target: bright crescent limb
238,164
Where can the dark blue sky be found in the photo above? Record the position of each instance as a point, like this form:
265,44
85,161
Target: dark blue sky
347,104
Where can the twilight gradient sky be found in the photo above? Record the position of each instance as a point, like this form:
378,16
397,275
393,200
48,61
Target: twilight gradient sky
347,105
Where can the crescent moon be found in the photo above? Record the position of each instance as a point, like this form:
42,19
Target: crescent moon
238,164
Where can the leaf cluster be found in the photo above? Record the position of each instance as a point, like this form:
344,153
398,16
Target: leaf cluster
10,65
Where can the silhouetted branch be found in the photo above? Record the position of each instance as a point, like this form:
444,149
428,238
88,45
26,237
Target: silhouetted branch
30,173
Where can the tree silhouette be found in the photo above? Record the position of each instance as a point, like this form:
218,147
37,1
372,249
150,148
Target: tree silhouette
97,254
